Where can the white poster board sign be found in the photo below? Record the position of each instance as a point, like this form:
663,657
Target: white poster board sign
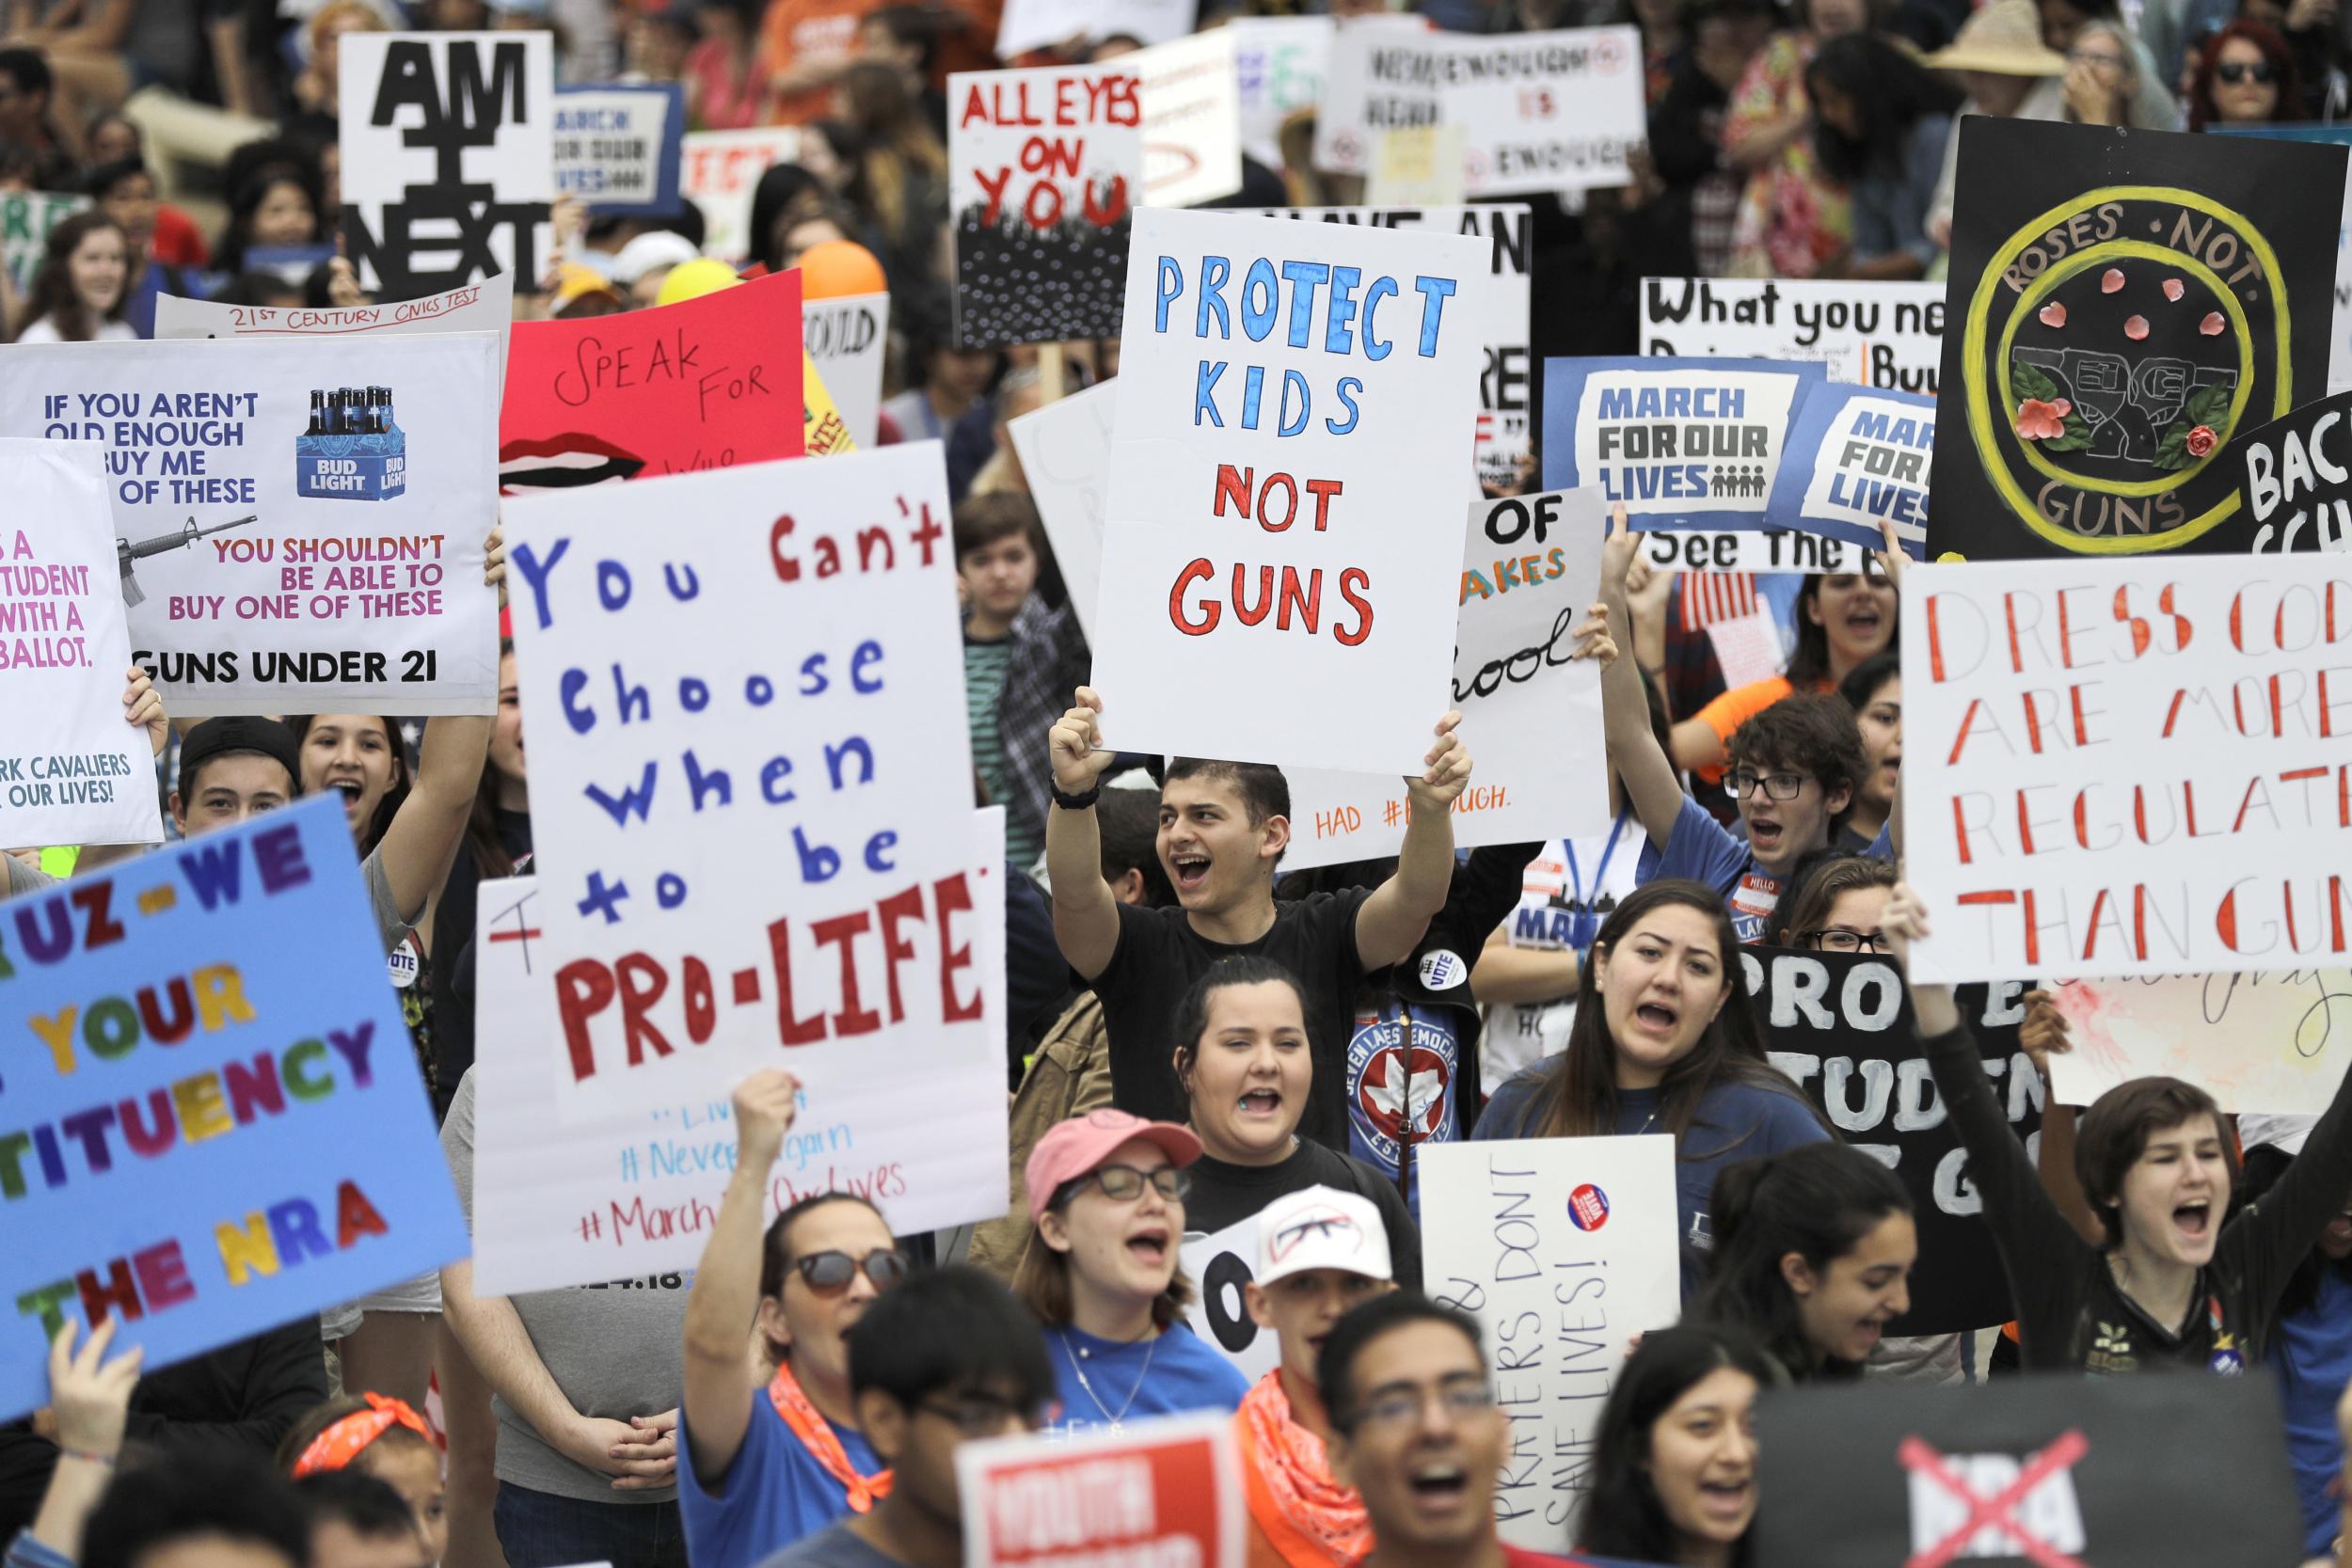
484,307
1219,1266
71,770
722,170
2272,1040
1889,336
1279,64
849,337
2138,770
1191,121
1565,1249
307,519
1027,24
1065,453
1281,442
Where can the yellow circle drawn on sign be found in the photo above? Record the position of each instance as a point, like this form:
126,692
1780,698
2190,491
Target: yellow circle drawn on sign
1981,426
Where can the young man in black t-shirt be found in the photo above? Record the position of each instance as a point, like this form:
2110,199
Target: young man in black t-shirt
1223,828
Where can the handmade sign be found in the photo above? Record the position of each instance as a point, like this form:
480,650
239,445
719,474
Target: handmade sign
2294,493
1839,1025
2267,1042
1684,443
1856,457
300,524
1279,64
1065,453
2139,771
71,770
759,725
707,383
1418,163
484,307
1219,1266
448,146
1889,336
1044,168
1027,24
617,148
719,172
2127,304
1295,402
823,432
1564,1248
1753,549
1191,119
847,337
2026,1472
1540,111
1165,1491
25,220
1503,432
2340,356
215,1118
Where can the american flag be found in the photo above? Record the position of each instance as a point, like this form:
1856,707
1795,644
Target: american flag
1711,596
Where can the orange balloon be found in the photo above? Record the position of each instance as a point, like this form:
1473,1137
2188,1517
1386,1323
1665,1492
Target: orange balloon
839,267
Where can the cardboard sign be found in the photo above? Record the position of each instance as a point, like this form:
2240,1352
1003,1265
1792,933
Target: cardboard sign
71,770
1684,443
304,520
1295,403
25,220
448,157
1027,24
847,337
1889,336
2294,490
2026,1472
1540,111
758,727
1044,168
707,383
1065,453
617,148
1218,1267
1191,121
215,1124
2268,1041
1279,65
1855,456
2139,771
1165,1491
720,171
2127,306
1839,1025
484,307
1564,1248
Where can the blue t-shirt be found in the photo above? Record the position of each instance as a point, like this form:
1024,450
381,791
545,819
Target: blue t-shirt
773,1495
1706,851
1166,1377
2312,1353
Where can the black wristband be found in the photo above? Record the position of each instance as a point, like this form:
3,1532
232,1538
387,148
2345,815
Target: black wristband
1077,802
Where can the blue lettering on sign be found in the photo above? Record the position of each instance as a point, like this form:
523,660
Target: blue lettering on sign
1674,402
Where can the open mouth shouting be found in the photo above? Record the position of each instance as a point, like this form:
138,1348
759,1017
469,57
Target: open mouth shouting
1151,1245
1865,622
1437,1486
1766,833
562,463
2194,1219
1260,1104
1657,1016
1189,869
1727,1501
351,790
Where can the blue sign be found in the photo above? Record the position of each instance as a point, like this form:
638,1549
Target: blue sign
619,149
211,1119
1855,455
1683,443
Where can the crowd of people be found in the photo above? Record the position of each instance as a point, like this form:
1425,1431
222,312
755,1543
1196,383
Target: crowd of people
1188,1025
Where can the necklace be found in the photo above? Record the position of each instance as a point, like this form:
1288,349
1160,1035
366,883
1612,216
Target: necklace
1077,1363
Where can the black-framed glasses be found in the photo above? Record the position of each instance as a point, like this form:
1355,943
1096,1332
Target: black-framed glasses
977,1415
1463,1398
828,1272
2235,72
1740,783
1838,939
1124,1183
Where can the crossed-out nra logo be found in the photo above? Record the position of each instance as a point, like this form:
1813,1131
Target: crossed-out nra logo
1996,1505
1588,1208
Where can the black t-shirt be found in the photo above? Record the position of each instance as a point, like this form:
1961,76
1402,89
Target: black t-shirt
1159,956
1224,1194
452,929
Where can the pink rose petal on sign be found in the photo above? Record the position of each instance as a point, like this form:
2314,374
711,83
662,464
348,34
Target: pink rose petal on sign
2174,289
2111,281
2211,325
2052,315
2063,407
2135,327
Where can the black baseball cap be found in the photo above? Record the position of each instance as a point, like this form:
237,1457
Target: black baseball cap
219,736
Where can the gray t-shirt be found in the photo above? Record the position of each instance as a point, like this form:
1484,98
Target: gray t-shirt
23,879
614,1350
834,1546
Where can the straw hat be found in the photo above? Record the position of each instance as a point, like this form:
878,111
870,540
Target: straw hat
2003,37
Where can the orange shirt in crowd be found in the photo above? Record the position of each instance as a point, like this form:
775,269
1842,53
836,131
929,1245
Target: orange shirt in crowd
802,32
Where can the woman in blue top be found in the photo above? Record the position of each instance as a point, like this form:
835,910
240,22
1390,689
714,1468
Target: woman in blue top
1106,1195
1881,120
1673,1048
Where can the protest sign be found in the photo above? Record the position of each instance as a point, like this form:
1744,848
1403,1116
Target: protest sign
823,434
484,307
2294,493
719,170
1565,1249
71,770
1540,111
1320,458
1027,24
2127,306
617,148
1165,1491
1839,1025
1889,336
284,554
225,1126
25,220
1761,549
707,383
2139,771
848,336
1218,1267
1065,453
1417,164
1191,119
2026,1472
1856,457
756,856
1279,64
447,143
1044,170
2272,1040
1684,443
2340,356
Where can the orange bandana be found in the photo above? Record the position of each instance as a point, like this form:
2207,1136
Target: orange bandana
1312,1520
341,1442
809,1425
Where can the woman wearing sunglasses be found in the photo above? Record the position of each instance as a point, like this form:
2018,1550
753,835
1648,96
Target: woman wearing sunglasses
1107,1195
774,1455
2245,76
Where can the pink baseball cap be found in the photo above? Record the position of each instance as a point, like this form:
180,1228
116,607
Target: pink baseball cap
1071,1149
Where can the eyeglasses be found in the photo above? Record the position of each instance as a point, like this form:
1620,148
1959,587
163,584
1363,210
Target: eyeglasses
2095,56
977,1415
2235,72
829,1272
1124,1183
1836,939
1742,783
1393,1408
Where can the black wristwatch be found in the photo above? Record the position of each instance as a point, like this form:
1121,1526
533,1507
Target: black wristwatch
1077,802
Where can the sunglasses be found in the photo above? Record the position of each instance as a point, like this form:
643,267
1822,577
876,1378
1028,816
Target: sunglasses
2235,72
829,1272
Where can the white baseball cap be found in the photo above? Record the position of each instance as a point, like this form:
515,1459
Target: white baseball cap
1321,1228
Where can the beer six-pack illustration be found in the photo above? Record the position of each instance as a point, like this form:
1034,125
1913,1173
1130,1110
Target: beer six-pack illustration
354,450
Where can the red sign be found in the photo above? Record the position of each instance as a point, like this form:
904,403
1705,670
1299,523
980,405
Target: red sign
1164,1491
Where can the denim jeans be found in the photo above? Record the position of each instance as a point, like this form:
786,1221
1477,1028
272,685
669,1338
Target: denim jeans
539,1530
